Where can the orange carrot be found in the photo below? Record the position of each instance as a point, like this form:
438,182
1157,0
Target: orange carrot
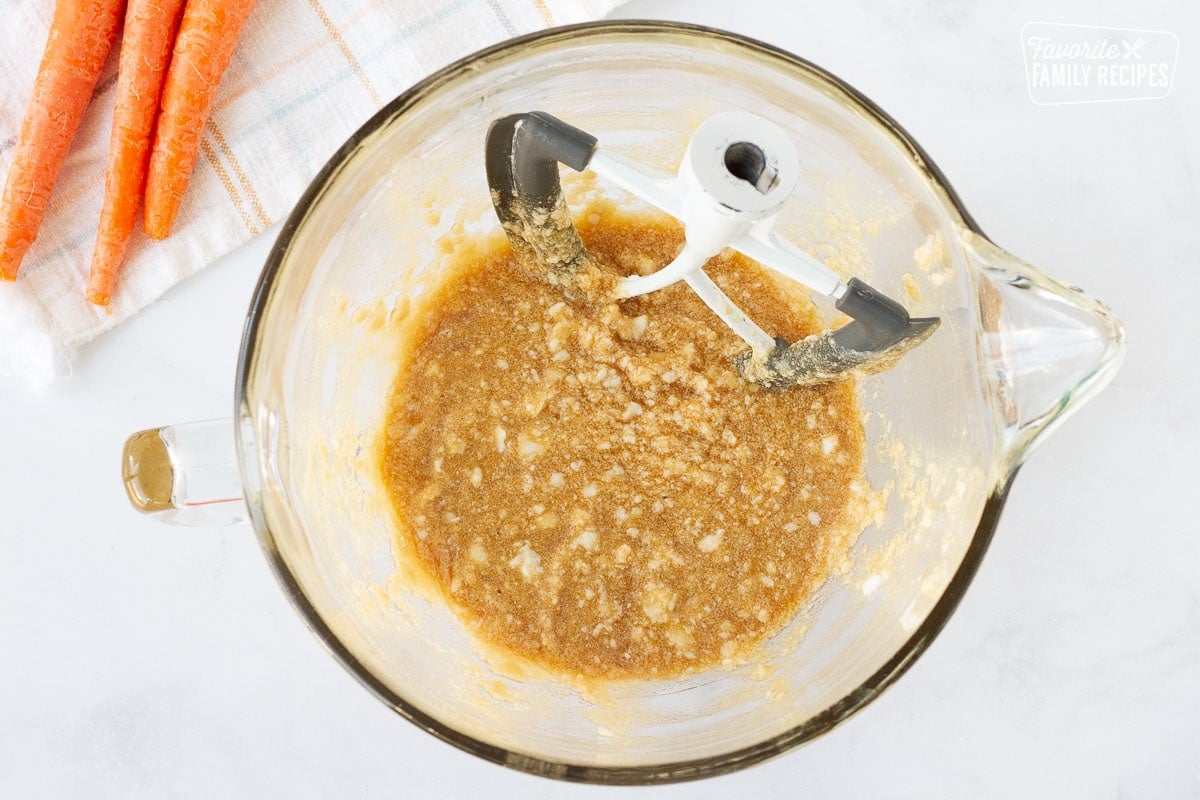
208,36
81,34
150,27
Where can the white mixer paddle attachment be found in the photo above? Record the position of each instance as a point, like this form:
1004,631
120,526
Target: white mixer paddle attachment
734,178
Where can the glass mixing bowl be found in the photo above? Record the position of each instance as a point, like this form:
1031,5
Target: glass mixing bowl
947,428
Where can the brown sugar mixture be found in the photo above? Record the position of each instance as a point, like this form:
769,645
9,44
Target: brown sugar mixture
593,486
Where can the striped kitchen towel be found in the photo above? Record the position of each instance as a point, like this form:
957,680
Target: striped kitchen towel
306,74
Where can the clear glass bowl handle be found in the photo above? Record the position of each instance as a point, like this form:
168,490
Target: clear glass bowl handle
187,474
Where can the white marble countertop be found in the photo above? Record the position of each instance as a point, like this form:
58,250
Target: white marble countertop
145,661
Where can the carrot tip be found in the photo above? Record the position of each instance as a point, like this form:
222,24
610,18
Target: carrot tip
99,298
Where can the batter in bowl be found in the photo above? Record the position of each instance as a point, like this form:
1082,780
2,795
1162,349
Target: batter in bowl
592,485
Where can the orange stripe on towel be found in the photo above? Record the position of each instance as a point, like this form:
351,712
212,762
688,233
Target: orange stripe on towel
227,182
340,41
239,173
